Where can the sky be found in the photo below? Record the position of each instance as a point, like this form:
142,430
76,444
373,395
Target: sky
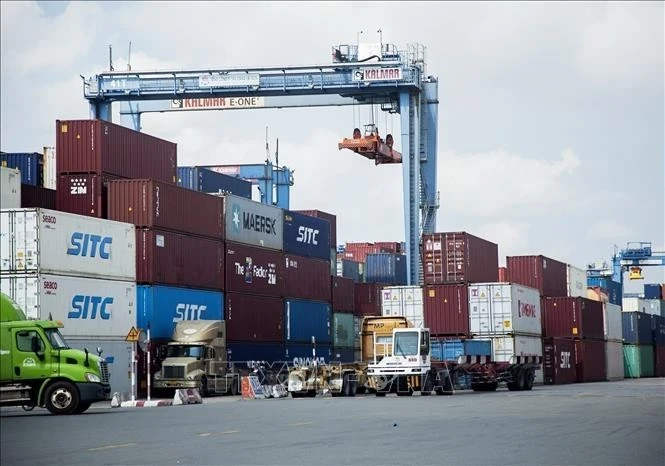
551,117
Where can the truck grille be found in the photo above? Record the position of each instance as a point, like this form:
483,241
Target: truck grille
104,370
174,372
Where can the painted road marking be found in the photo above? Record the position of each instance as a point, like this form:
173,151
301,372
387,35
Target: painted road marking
297,424
204,434
108,447
230,432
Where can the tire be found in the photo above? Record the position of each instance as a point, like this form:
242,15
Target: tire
203,386
348,386
62,398
82,407
381,394
521,378
403,388
529,377
296,395
428,386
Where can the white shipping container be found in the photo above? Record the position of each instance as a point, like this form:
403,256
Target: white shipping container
119,355
496,308
613,322
504,347
648,306
54,242
403,301
50,173
10,188
614,360
89,308
576,281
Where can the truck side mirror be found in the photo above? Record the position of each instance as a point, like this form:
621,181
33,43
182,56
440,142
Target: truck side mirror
37,347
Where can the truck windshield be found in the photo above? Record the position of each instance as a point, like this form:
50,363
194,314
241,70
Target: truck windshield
406,344
184,351
56,339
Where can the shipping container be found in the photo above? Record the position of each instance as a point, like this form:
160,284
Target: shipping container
497,308
98,146
306,278
559,361
353,270
306,236
659,361
447,309
176,259
118,353
38,196
652,291
357,328
343,336
154,204
358,252
162,307
638,361
504,347
84,194
306,319
249,354
404,301
573,318
254,270
658,329
50,169
575,282
343,355
367,299
253,223
591,362
10,188
301,354
458,257
87,307
386,268
547,275
392,247
637,328
212,182
649,306
53,242
342,294
614,360
30,164
330,218
503,274
612,322
450,350
608,288
254,318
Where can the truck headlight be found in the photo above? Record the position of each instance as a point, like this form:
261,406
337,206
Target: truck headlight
90,377
157,376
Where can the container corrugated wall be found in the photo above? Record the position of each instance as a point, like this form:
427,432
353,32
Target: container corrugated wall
612,321
497,308
209,181
353,270
659,361
343,336
576,281
447,309
573,318
253,318
300,354
547,275
246,354
342,294
253,223
304,319
591,363
38,196
637,328
30,164
330,218
10,188
614,360
367,298
652,291
457,257
638,361
162,307
606,288
386,268
559,361
658,329
307,278
404,301
451,349
306,236
84,194
254,270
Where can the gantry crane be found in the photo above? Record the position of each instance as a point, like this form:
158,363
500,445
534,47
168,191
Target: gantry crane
360,74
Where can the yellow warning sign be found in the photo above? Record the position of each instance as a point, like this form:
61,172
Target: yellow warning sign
133,335
482,295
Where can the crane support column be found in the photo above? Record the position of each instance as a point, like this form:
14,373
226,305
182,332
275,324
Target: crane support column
100,111
130,115
428,156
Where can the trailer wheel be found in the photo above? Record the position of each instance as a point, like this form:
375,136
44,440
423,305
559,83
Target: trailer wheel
62,398
529,377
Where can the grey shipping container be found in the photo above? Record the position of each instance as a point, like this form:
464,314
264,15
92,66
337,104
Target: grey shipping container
387,268
208,181
253,223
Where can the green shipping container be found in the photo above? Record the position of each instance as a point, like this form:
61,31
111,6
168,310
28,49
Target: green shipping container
343,336
638,361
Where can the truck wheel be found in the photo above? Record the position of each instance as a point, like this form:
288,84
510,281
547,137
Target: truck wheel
82,407
428,386
528,379
203,386
62,398
521,378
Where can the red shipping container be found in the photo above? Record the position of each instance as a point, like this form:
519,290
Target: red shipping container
179,259
503,274
446,309
458,257
590,360
539,272
155,204
342,294
38,196
83,194
332,219
306,278
367,299
390,246
254,318
358,251
559,361
659,361
97,146
254,270
572,318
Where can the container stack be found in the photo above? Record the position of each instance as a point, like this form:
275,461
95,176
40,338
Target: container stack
10,188
344,322
211,182
638,344
36,184
658,329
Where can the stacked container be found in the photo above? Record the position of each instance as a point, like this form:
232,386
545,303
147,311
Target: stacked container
386,267
30,164
658,329
604,289
403,301
10,188
638,348
208,181
344,322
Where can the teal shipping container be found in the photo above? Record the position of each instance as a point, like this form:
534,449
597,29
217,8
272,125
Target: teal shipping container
638,361
343,336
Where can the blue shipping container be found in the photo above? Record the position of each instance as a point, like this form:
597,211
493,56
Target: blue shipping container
352,270
162,307
386,268
450,350
209,181
305,319
343,355
306,236
637,328
652,291
248,354
658,330
30,164
610,287
301,353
